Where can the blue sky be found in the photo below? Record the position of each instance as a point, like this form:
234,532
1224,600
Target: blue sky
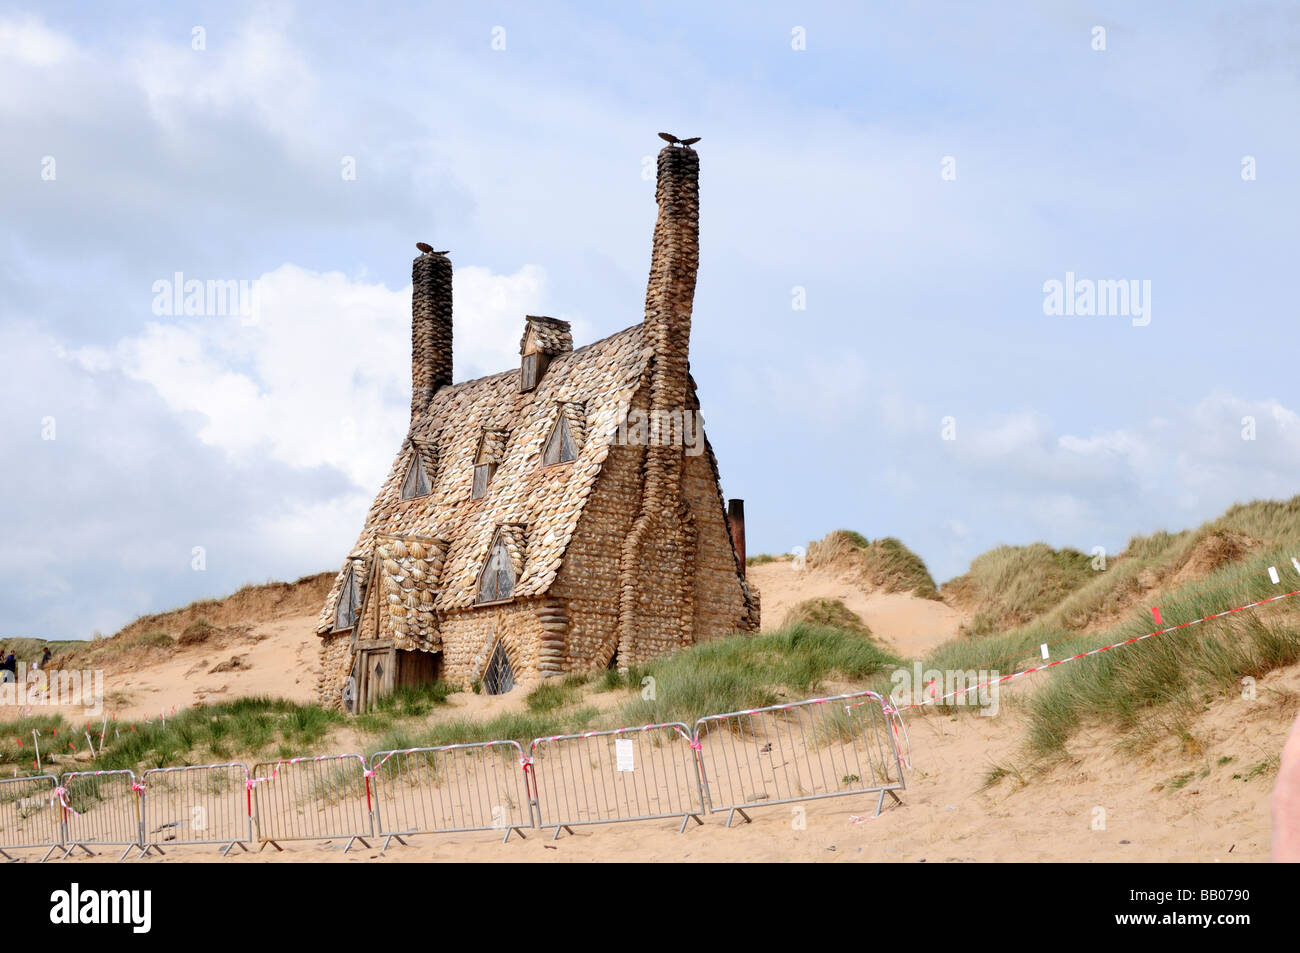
822,167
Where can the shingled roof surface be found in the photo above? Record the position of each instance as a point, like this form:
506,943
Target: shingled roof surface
546,502
408,585
551,334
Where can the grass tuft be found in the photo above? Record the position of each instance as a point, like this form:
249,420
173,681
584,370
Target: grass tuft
750,671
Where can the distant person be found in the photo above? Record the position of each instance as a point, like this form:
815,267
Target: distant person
9,668
1285,802
45,660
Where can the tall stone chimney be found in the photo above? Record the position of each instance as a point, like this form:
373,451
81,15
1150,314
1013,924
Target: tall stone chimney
430,327
662,541
670,294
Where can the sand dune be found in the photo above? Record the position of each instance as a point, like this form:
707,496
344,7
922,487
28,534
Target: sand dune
276,658
908,625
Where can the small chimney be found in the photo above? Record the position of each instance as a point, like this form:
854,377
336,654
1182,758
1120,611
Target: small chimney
736,524
430,326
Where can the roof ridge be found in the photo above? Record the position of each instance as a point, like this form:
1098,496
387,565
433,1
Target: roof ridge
515,371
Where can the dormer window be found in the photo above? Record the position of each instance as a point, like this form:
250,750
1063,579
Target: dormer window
491,448
345,614
483,473
532,369
497,581
543,339
560,447
418,479
566,436
416,482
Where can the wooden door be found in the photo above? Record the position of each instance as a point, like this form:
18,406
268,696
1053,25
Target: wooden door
377,672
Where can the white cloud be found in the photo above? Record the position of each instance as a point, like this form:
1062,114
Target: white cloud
257,68
322,378
29,41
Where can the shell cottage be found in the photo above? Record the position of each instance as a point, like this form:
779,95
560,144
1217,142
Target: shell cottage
564,515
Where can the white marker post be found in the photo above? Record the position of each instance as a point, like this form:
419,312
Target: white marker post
1272,574
1044,648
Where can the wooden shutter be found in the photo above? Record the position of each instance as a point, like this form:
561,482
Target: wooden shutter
567,449
345,615
498,579
505,572
416,482
532,368
482,474
555,447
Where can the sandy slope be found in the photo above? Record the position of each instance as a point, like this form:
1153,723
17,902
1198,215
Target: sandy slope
908,625
278,658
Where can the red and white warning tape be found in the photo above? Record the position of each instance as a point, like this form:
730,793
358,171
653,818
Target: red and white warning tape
61,793
1100,649
894,714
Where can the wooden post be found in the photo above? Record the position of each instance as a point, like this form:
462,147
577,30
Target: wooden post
736,524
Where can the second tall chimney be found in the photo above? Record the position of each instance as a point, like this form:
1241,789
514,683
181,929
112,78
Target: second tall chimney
430,327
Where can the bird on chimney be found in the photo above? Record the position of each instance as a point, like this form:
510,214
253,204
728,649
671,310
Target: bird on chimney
669,138
426,248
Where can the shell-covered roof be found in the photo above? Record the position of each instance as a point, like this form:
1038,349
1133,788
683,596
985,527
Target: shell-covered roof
540,505
408,569
550,335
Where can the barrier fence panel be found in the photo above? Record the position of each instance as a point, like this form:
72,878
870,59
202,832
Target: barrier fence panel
823,747
627,774
101,807
30,814
469,787
312,799
200,804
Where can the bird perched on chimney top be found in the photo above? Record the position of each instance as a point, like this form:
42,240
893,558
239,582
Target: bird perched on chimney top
669,138
424,247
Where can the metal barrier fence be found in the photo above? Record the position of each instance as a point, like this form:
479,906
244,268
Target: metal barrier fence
823,747
30,814
199,804
820,748
627,774
469,787
312,799
101,807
